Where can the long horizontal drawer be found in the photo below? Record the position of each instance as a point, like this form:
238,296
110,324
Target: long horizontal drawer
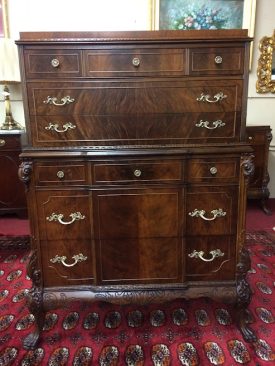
134,62
138,171
135,130
117,98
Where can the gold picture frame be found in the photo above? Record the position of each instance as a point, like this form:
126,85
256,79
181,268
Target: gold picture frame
4,24
266,65
248,15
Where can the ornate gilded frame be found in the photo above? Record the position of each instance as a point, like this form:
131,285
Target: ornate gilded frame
265,84
4,23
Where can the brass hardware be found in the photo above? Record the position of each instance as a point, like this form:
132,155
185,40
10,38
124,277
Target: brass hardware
2,142
137,173
213,170
60,174
136,61
215,124
58,217
200,213
265,70
61,259
53,100
55,62
215,254
65,127
250,138
207,98
218,59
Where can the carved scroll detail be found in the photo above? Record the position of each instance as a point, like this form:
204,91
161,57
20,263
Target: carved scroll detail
25,171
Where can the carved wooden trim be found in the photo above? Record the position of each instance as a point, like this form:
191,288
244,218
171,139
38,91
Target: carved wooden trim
15,242
25,171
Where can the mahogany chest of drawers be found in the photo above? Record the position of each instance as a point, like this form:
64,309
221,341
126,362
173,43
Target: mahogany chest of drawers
136,167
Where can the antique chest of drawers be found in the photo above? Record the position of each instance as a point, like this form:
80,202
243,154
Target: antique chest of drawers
136,167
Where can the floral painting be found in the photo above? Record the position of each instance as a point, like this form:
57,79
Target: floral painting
201,14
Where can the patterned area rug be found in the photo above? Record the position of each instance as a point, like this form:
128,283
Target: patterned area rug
198,332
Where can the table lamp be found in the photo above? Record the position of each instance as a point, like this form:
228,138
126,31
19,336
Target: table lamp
9,74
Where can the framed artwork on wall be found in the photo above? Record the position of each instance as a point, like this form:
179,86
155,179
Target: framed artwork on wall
4,29
204,14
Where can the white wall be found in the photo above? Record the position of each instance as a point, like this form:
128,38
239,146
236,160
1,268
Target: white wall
64,15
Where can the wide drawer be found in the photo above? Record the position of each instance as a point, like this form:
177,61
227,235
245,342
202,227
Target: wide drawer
213,169
61,173
150,129
136,98
9,142
67,262
64,214
52,63
216,61
137,171
210,258
134,62
211,210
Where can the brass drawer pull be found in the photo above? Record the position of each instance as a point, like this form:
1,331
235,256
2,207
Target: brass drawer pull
250,138
53,100
60,174
207,98
65,127
2,142
200,213
136,61
218,60
59,217
215,124
55,62
215,254
213,170
137,173
61,259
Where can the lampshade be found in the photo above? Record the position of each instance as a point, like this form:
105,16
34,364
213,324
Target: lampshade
9,63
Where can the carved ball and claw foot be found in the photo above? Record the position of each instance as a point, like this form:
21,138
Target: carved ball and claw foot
244,298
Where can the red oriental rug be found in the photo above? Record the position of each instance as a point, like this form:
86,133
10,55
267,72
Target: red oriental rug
197,332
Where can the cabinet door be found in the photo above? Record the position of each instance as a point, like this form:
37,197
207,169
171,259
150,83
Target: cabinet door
138,235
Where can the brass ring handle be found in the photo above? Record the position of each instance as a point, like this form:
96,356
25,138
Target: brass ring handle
2,142
213,170
199,254
59,217
137,173
55,62
136,61
207,98
63,101
61,259
218,59
215,124
55,127
201,213
60,174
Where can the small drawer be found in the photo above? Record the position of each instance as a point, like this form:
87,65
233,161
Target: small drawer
211,210
67,262
134,62
213,169
52,63
216,61
138,171
256,137
10,142
49,174
209,258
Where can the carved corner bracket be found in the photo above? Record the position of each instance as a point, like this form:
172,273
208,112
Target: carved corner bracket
25,171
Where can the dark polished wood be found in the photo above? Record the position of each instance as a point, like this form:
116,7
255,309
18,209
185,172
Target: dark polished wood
12,190
136,168
260,137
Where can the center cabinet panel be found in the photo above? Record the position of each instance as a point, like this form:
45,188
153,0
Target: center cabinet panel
138,235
